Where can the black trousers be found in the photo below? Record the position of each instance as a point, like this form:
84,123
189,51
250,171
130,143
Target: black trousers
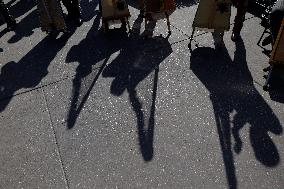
4,11
276,16
72,7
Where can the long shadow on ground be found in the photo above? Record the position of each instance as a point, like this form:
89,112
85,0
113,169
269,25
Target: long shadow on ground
94,50
232,92
31,69
135,71
138,59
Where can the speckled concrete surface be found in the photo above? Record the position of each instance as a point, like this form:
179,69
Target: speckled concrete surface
89,110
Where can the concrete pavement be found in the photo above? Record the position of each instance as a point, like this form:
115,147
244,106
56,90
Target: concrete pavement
89,110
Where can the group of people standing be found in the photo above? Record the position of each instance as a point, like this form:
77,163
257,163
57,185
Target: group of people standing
50,14
52,17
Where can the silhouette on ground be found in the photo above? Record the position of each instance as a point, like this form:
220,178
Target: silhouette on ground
25,26
31,69
137,60
21,7
95,49
136,69
232,92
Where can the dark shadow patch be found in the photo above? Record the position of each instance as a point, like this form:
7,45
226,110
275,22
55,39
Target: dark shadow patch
232,90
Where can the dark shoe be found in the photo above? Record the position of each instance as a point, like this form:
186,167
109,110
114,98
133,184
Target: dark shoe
235,37
267,40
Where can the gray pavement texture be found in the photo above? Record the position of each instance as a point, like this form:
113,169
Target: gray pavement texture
95,110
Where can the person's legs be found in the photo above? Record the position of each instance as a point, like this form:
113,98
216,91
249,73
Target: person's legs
11,22
241,6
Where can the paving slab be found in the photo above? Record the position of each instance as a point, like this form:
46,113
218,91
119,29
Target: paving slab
29,155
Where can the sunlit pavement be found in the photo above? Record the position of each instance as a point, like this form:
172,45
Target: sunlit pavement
95,110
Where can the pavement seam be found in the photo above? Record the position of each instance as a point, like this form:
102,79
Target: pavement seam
56,141
35,88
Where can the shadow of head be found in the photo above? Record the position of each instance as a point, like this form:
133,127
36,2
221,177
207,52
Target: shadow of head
135,62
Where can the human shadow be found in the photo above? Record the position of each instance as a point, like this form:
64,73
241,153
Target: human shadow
232,92
25,28
94,50
89,9
26,25
31,69
135,71
20,7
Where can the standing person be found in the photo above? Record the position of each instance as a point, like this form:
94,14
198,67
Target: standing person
73,8
51,16
9,19
241,6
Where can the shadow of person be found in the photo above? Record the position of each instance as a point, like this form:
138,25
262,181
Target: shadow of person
232,92
138,64
25,27
30,70
89,9
30,22
20,7
95,49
